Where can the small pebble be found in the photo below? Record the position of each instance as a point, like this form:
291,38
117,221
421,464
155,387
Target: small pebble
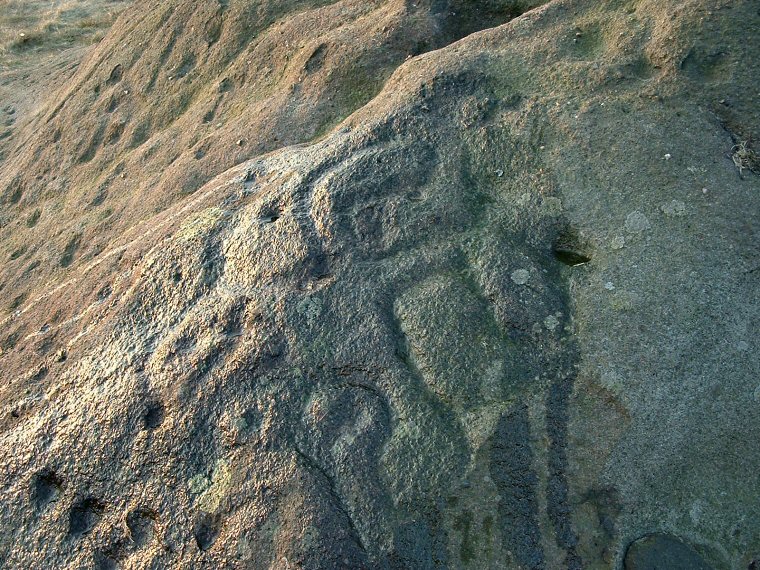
499,173
609,286
668,156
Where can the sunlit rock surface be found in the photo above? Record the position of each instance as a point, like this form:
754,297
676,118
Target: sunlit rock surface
387,285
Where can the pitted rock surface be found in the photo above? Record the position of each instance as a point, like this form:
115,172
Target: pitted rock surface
423,327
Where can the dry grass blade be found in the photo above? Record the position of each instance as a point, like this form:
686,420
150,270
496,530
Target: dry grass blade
745,157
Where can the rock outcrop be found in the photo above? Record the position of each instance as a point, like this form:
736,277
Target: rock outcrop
388,285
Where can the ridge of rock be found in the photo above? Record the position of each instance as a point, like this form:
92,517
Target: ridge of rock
499,316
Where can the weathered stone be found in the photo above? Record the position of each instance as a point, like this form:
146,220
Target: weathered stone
663,552
431,314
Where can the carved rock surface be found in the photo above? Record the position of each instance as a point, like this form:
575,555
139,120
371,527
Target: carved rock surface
476,289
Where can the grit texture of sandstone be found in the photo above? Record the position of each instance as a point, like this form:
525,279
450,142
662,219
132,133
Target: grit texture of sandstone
382,284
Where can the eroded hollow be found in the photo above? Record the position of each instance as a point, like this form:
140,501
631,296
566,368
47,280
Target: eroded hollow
206,530
460,18
141,523
153,416
570,256
85,515
664,551
46,488
570,249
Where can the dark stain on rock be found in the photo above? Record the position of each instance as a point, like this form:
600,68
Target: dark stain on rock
104,561
416,547
606,503
558,508
511,471
468,546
